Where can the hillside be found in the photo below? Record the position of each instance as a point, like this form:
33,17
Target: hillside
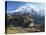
25,21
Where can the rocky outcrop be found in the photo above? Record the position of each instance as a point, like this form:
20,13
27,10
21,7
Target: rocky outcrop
22,21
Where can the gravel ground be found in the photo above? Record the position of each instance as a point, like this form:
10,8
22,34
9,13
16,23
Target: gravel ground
15,30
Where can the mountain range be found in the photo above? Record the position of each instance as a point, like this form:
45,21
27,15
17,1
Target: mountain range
27,12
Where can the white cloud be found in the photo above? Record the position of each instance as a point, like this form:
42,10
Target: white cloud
25,7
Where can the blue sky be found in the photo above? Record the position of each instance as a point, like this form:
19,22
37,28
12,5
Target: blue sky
13,5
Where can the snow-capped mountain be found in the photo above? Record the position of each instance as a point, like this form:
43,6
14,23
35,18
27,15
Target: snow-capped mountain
28,9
